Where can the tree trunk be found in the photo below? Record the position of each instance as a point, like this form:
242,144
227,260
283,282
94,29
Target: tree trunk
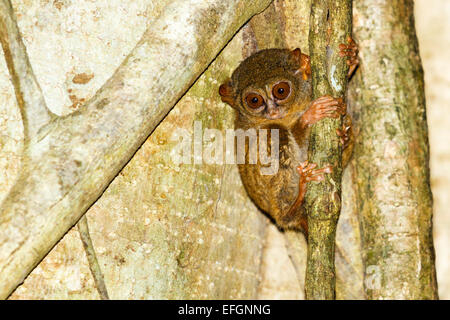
330,26
392,153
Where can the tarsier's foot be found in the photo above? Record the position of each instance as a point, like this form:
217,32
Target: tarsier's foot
323,107
350,50
308,172
344,134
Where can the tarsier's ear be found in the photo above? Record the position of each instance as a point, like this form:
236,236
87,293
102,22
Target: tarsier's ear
226,92
304,63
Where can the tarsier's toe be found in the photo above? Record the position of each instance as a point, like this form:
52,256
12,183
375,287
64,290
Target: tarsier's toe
350,51
308,171
344,134
305,167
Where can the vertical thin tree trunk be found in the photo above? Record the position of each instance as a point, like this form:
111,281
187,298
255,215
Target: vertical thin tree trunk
330,25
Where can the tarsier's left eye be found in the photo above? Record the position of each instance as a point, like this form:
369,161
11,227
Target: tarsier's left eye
281,90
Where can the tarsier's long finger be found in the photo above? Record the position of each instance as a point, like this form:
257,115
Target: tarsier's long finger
326,105
331,109
324,98
338,109
317,174
341,135
351,42
333,115
302,166
348,52
310,167
328,102
342,46
320,177
326,169
347,49
331,112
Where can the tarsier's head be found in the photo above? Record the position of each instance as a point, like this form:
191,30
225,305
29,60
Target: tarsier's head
269,85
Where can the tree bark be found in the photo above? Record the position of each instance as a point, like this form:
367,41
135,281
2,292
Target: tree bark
392,154
162,231
71,160
330,25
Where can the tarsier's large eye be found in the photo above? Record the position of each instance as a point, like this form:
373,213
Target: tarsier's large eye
281,90
254,100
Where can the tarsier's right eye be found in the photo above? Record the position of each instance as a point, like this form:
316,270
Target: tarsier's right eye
254,100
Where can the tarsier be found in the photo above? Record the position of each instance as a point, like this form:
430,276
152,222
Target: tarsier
272,90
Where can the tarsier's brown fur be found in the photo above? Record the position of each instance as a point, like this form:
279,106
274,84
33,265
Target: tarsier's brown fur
281,194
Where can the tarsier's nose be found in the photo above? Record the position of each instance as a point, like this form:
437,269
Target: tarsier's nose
272,109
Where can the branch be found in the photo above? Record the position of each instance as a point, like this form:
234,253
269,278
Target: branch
33,109
83,229
77,156
330,25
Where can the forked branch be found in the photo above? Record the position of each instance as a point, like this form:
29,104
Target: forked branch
33,109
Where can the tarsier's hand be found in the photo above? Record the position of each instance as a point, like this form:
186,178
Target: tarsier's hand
350,50
323,107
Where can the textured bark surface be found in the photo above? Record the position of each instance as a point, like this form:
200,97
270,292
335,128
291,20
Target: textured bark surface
330,25
68,163
433,16
149,237
392,152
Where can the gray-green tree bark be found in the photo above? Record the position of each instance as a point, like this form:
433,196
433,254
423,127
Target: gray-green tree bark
392,154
